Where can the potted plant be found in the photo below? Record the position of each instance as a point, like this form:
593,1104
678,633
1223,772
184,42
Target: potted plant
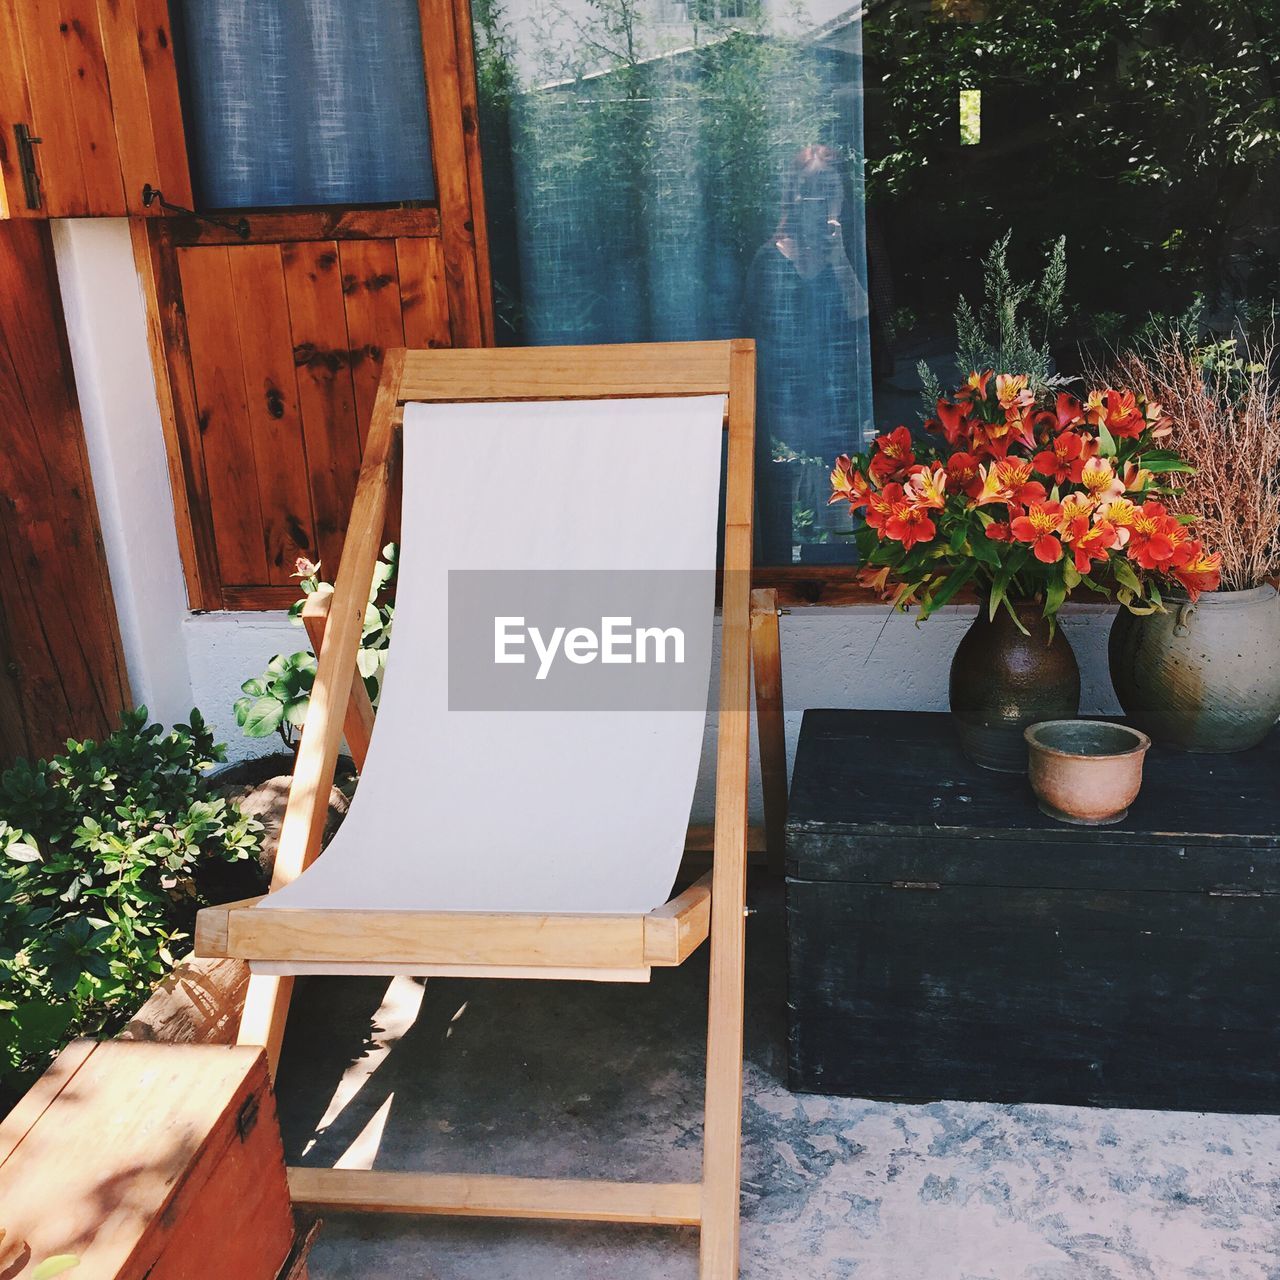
277,700
1205,674
1026,497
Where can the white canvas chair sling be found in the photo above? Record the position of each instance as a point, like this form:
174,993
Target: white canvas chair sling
408,886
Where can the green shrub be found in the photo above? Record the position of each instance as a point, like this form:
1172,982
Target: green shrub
104,853
277,700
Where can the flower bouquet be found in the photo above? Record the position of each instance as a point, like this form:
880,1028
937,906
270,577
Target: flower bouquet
1027,497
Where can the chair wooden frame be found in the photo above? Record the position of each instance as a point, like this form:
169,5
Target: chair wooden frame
523,945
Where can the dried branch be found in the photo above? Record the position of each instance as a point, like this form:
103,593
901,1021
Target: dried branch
1224,402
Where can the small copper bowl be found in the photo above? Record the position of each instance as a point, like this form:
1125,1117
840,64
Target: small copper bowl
1087,772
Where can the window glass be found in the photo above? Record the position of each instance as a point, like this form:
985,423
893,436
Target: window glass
664,169
659,170
1144,135
304,102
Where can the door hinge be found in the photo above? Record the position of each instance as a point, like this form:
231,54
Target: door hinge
915,884
27,164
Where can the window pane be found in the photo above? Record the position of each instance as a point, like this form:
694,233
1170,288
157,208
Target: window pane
1146,135
304,102
660,170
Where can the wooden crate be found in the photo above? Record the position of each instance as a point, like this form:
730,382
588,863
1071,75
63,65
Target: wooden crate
147,1160
946,940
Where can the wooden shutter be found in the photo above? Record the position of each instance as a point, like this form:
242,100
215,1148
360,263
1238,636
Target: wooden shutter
272,353
95,81
266,349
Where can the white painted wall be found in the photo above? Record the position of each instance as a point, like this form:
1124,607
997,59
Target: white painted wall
862,656
106,326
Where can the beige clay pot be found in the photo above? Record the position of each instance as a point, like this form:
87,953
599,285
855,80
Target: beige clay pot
1086,772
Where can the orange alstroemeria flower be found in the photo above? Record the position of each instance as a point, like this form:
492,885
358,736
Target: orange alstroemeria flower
1040,527
1122,514
1009,481
909,524
1200,572
1016,475
1075,505
848,484
1099,479
991,439
963,475
876,579
1089,542
892,456
927,489
1065,461
998,531
880,504
1068,410
975,386
953,420
1023,429
1134,477
1124,418
1154,537
1012,393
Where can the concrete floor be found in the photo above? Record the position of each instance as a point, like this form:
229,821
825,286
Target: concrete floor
578,1079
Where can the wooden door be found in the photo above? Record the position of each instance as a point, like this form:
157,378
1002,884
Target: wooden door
62,671
268,345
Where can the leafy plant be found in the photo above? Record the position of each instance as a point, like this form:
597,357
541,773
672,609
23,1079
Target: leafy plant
102,851
1012,326
277,700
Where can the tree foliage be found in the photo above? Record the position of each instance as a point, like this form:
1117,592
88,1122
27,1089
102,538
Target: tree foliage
1146,131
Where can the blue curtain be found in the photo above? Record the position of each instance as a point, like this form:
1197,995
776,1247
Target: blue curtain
305,102
653,175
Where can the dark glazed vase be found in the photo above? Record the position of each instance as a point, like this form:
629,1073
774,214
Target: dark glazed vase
1003,680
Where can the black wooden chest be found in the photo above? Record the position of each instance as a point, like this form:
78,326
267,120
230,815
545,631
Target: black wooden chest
946,940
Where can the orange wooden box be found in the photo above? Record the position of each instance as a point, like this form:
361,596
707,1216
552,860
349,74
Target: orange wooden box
153,1160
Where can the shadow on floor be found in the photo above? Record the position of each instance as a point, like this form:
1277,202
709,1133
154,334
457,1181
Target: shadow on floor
605,1080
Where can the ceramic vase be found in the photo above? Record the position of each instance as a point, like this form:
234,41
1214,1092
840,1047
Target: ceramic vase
1203,676
1004,678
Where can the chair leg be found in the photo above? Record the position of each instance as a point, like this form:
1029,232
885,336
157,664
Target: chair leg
266,1010
766,657
722,1135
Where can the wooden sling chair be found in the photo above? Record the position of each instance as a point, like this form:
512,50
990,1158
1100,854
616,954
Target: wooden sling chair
468,457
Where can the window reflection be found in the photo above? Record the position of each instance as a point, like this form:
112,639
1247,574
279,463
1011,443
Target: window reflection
663,171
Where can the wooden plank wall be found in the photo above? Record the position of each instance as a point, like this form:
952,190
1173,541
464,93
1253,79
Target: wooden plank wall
62,671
